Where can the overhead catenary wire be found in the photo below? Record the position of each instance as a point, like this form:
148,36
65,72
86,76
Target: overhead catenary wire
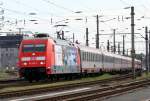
59,6
66,15
33,8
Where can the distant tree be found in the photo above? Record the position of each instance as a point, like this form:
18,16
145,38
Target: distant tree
139,56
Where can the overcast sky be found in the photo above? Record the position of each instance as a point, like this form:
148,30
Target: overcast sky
49,13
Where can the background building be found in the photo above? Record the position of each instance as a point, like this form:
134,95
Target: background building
9,51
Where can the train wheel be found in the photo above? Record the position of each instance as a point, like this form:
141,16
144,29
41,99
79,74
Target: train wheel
30,80
66,77
37,79
70,76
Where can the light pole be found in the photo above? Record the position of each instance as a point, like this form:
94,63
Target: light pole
123,46
132,41
87,38
146,39
114,32
97,35
108,44
73,37
97,29
20,30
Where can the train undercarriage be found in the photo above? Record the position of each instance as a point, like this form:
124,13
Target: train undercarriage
37,74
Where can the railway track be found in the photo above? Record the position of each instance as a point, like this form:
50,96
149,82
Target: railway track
17,82
60,87
99,93
11,80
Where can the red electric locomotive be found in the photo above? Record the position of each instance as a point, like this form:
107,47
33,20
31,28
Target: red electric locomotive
44,56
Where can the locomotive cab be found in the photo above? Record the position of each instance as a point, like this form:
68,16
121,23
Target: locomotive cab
33,57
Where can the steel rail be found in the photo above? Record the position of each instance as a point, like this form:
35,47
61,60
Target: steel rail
60,87
100,93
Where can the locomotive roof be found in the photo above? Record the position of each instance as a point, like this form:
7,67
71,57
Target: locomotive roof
33,38
89,49
117,56
56,41
63,42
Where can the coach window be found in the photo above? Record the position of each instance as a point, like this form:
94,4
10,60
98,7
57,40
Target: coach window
98,57
83,54
86,56
105,58
94,57
116,60
111,59
108,59
90,56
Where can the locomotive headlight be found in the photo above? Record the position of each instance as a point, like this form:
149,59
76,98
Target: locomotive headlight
48,67
25,63
41,63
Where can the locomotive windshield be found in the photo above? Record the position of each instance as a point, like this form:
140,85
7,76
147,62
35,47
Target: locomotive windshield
33,48
40,48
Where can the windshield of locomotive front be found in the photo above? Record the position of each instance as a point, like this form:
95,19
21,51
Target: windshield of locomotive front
34,48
